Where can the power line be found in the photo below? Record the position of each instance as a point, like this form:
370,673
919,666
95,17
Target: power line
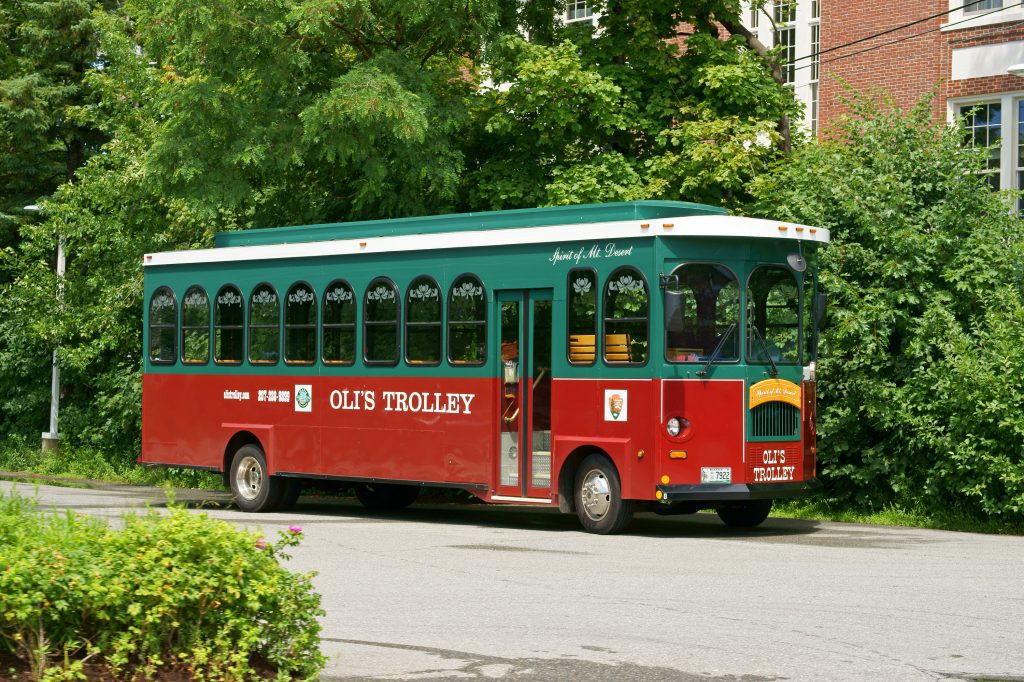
898,40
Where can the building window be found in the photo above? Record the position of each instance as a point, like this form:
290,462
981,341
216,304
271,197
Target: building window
786,39
982,5
815,47
423,322
195,327
784,11
815,9
339,323
1020,152
755,15
264,326
163,327
300,325
578,11
983,126
814,109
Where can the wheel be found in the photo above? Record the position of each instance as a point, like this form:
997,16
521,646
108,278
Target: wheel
292,490
745,514
254,490
599,502
386,496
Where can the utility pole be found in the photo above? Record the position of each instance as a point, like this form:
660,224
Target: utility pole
51,438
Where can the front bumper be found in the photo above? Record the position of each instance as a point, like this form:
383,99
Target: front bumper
712,492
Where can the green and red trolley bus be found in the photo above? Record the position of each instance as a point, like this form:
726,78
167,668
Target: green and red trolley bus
599,359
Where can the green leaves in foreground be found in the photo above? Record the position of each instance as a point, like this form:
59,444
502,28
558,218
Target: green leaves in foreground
179,591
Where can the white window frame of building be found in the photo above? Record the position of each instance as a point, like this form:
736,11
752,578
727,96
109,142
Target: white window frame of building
981,5
1011,134
985,13
578,10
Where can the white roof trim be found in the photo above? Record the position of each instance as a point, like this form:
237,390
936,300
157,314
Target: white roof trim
686,226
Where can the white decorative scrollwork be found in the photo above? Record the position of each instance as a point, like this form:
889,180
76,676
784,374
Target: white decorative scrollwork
229,298
162,301
423,291
582,285
302,295
195,299
264,297
339,294
627,283
467,290
381,293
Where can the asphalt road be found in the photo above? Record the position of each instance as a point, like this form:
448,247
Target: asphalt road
461,592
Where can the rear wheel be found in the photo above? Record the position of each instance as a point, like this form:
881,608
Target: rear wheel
745,514
598,492
385,496
254,489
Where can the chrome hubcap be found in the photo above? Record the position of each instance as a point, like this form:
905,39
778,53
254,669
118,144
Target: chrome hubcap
596,494
249,477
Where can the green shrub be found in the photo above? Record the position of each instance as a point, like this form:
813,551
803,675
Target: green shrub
178,591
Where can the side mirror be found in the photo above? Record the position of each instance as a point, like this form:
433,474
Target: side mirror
820,304
674,311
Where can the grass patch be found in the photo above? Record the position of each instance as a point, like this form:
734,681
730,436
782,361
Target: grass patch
821,510
18,456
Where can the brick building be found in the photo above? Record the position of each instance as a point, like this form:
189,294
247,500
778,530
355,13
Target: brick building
961,49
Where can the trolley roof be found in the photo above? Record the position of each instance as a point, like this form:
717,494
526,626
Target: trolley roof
624,220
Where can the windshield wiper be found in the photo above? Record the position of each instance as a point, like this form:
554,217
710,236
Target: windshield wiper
718,349
764,347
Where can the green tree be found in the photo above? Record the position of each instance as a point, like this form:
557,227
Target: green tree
922,372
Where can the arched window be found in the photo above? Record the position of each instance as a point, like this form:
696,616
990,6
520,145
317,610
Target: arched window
467,321
423,322
773,316
228,327
625,317
702,311
300,325
339,324
195,327
380,323
163,327
582,308
264,326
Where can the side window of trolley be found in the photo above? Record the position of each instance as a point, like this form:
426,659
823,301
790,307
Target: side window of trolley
163,327
228,327
300,325
264,325
195,327
773,315
702,314
467,321
582,312
339,324
626,312
380,323
423,322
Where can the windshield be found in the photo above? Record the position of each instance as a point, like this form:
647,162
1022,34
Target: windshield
773,316
702,303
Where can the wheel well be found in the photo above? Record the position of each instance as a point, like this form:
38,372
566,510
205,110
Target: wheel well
238,440
567,475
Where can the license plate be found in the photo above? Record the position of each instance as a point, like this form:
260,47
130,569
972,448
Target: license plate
716,474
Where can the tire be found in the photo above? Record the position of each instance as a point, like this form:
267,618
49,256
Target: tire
253,489
745,514
292,490
386,496
598,497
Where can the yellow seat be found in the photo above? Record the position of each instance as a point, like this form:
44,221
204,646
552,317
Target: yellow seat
582,348
616,348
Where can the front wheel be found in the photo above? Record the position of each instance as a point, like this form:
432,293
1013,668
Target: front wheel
599,503
254,490
745,514
386,496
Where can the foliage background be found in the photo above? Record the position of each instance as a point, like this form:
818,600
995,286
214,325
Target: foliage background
148,125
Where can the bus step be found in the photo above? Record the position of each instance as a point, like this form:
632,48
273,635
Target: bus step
541,468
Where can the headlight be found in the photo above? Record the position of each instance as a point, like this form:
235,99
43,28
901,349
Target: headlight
673,426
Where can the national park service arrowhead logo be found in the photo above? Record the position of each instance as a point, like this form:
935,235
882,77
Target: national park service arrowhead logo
616,405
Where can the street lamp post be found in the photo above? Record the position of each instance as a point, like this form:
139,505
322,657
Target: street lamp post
51,438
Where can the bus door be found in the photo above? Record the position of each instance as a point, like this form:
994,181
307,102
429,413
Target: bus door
524,385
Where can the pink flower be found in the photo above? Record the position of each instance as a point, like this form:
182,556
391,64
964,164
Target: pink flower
297,530
261,543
